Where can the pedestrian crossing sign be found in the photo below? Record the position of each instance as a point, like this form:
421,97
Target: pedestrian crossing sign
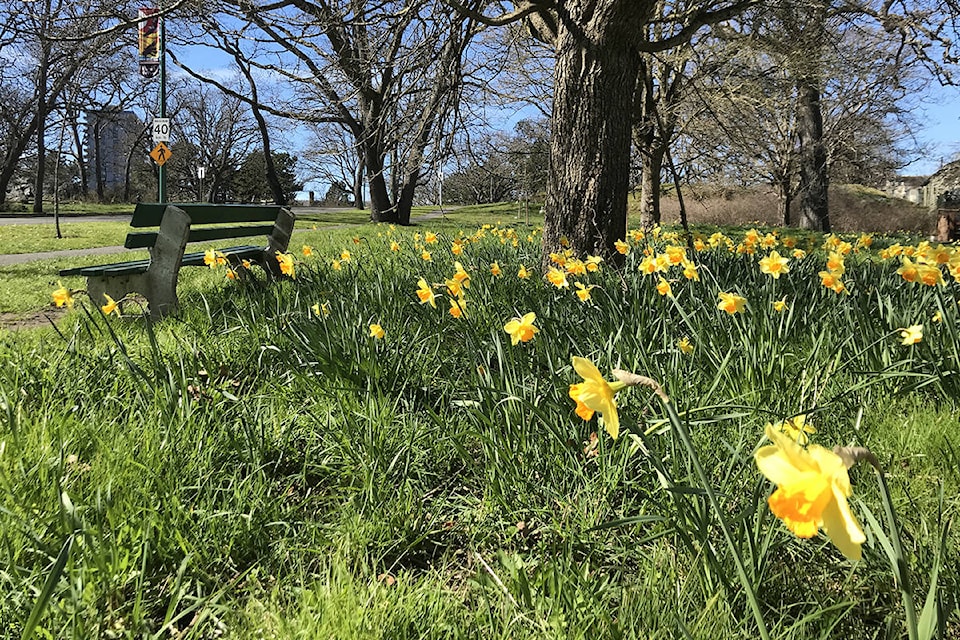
160,154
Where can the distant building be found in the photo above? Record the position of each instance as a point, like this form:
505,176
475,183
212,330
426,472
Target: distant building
111,133
909,188
946,180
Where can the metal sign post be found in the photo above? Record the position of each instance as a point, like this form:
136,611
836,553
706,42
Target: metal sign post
162,172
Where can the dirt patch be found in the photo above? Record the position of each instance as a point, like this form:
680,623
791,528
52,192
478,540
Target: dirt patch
30,319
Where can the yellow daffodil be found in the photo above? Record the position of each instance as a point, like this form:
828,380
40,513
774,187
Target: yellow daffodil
684,345
774,265
335,265
596,395
495,269
622,247
731,303
690,271
593,263
521,329
780,305
796,427
458,307
835,264
930,275
231,274
112,306
576,267
376,331
908,270
430,237
799,254
286,264
789,242
912,334
213,258
812,491
461,275
307,251
344,256
937,317
321,310
394,246
456,248
425,255
246,264
557,278
583,292
663,288
425,293
522,273
62,296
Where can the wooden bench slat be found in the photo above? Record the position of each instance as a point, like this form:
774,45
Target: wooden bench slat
144,239
149,214
237,253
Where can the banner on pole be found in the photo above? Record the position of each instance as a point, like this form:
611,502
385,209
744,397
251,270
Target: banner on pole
149,30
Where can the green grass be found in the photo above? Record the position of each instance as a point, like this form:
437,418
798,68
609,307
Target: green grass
249,469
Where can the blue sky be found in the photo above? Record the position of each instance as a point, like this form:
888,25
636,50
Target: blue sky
939,129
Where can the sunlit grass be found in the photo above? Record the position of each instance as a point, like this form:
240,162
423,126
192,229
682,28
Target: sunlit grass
256,469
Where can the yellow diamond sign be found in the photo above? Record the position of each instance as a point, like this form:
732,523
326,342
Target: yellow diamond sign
160,154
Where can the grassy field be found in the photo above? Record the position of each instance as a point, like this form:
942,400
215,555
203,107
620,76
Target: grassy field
262,466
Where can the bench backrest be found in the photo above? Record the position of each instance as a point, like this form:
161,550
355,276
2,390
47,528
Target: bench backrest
147,215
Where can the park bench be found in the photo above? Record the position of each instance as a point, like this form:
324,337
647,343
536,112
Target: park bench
178,224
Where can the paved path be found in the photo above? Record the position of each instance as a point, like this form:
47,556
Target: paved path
20,258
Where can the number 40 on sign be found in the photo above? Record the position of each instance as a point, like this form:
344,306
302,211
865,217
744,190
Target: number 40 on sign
161,130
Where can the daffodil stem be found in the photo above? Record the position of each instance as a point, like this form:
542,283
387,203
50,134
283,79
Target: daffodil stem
681,430
900,568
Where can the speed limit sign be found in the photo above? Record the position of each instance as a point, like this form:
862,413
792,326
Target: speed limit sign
161,130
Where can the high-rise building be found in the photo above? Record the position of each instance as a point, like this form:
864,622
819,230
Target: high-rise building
111,133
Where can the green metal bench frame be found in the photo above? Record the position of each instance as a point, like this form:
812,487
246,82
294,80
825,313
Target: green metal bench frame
156,278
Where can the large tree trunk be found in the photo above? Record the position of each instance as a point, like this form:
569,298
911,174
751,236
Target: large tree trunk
651,168
594,88
814,178
784,197
405,201
358,186
381,209
81,160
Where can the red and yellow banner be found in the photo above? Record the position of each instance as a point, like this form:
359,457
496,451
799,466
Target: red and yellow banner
149,30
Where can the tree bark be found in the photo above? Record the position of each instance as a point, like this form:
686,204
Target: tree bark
651,168
784,200
358,202
594,86
814,177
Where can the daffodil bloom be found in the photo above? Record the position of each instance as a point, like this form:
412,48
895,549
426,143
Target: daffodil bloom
780,305
930,275
796,427
622,247
576,267
684,345
937,317
461,275
307,251
799,254
835,263
425,255
335,265
210,258
909,271
583,292
829,279
112,306
521,329
425,293
286,264
376,331
812,491
595,395
789,242
495,269
394,246
912,334
663,288
731,303
648,266
593,263
522,273
344,256
675,254
557,278
458,307
62,296
231,274
430,238
456,248
246,264
774,265
690,271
